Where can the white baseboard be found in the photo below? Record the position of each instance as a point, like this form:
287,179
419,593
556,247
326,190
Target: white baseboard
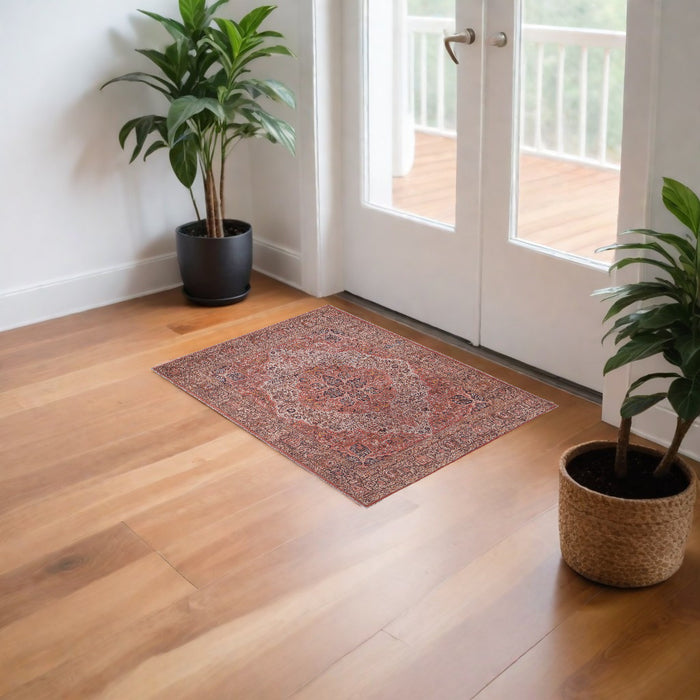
68,295
277,261
659,422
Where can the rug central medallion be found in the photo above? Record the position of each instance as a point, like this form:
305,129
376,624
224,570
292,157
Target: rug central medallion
368,411
347,391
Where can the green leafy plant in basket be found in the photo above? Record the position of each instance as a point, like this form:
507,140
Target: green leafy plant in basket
212,100
667,324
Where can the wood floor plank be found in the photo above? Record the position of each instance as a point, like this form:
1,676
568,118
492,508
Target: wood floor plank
39,527
240,616
404,557
256,476
73,426
34,585
229,541
70,626
132,451
65,383
111,338
624,644
431,644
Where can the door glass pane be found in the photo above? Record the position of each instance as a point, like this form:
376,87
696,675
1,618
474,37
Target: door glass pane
410,108
571,85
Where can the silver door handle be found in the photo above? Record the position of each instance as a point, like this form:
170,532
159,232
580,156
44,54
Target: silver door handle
468,36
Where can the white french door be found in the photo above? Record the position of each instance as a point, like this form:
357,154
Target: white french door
422,267
508,267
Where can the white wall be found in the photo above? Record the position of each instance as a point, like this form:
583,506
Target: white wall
82,227
669,42
275,175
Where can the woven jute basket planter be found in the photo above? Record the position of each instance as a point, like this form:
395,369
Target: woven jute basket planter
622,542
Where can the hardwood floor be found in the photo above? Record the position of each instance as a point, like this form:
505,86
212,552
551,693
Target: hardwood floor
151,549
566,206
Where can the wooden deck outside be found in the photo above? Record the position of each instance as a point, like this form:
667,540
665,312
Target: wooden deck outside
563,205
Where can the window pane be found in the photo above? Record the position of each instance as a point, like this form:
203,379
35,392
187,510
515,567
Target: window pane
411,109
571,87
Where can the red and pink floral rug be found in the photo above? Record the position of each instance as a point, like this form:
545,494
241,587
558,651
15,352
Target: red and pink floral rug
367,410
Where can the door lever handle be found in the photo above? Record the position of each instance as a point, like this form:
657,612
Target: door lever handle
468,36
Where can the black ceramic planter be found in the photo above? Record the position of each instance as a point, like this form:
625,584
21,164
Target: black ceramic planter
215,271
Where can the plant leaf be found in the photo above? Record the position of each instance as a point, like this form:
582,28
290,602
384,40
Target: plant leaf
267,51
682,245
664,316
211,10
273,89
155,146
636,349
186,107
234,36
174,28
677,274
165,63
648,377
255,18
142,127
633,405
659,317
183,159
146,78
684,395
193,13
628,294
276,130
650,245
217,41
672,356
689,351
683,203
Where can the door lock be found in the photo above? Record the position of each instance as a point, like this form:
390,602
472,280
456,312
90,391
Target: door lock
499,40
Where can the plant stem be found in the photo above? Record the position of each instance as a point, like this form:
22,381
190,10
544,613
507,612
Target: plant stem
216,208
194,202
222,175
623,441
210,197
682,427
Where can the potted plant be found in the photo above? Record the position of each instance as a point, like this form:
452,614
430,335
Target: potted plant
625,511
212,103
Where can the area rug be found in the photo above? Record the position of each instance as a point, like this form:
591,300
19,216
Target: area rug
367,410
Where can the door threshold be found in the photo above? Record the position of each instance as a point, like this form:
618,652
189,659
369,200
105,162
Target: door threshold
496,357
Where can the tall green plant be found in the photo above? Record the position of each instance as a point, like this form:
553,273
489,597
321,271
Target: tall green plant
668,325
204,76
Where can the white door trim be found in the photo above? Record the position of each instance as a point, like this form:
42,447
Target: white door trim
319,152
639,121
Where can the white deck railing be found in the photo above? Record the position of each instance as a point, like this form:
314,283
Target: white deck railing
541,106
